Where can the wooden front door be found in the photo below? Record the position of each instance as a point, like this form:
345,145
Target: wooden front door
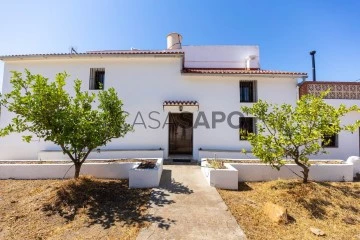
180,133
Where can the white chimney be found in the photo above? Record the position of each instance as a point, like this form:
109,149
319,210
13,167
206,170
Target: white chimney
174,41
249,61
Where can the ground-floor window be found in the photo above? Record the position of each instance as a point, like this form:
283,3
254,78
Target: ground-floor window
247,125
330,141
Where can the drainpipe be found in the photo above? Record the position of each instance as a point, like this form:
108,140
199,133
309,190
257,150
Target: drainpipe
312,53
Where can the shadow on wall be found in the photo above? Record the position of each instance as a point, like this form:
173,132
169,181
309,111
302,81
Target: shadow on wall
107,202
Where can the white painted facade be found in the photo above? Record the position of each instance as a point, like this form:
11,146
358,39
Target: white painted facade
348,143
221,56
145,81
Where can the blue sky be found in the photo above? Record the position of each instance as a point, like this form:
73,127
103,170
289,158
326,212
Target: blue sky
285,30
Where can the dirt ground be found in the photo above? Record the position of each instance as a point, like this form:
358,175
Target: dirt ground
333,208
67,209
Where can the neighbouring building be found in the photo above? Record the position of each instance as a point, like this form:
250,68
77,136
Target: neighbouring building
184,101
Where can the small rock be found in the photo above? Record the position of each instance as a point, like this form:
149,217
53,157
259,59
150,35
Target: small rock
349,220
13,201
276,213
317,231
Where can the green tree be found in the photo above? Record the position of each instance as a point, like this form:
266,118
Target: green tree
295,132
46,110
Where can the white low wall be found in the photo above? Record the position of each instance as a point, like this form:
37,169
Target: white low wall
105,154
251,172
221,178
256,172
226,154
355,160
111,170
58,171
146,178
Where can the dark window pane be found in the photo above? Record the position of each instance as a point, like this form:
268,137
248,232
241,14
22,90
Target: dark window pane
97,78
330,141
247,91
247,125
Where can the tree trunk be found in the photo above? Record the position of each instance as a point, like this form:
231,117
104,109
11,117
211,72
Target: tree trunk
305,170
305,173
77,170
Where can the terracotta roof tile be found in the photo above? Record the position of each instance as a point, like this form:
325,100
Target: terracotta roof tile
136,52
95,53
182,103
239,71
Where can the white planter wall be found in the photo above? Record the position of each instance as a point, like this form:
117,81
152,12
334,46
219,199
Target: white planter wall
114,170
221,178
146,178
257,172
234,154
322,172
58,171
355,160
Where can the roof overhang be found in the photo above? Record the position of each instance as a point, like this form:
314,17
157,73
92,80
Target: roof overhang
112,54
241,72
181,106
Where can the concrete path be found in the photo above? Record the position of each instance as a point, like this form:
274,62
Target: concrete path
185,207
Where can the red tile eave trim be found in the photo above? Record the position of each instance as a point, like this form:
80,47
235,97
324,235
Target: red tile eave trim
241,71
221,69
95,53
182,103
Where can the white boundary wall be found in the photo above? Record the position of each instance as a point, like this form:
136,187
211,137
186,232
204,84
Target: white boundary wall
114,170
226,154
355,160
251,172
104,154
257,172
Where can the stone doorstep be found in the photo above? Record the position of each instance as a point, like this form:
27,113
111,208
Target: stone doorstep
178,161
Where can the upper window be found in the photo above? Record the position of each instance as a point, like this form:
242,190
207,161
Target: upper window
247,91
330,141
97,78
246,126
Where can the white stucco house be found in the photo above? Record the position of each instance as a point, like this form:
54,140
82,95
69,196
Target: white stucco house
199,88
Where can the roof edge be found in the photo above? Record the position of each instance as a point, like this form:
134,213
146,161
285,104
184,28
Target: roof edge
241,71
136,53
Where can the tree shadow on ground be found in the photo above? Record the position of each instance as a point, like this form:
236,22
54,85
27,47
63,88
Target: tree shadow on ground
104,202
350,208
170,185
107,202
345,190
315,206
161,196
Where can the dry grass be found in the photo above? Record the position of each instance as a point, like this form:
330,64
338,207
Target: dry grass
216,164
87,208
327,206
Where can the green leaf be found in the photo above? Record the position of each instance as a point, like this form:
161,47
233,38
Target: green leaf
45,109
295,132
